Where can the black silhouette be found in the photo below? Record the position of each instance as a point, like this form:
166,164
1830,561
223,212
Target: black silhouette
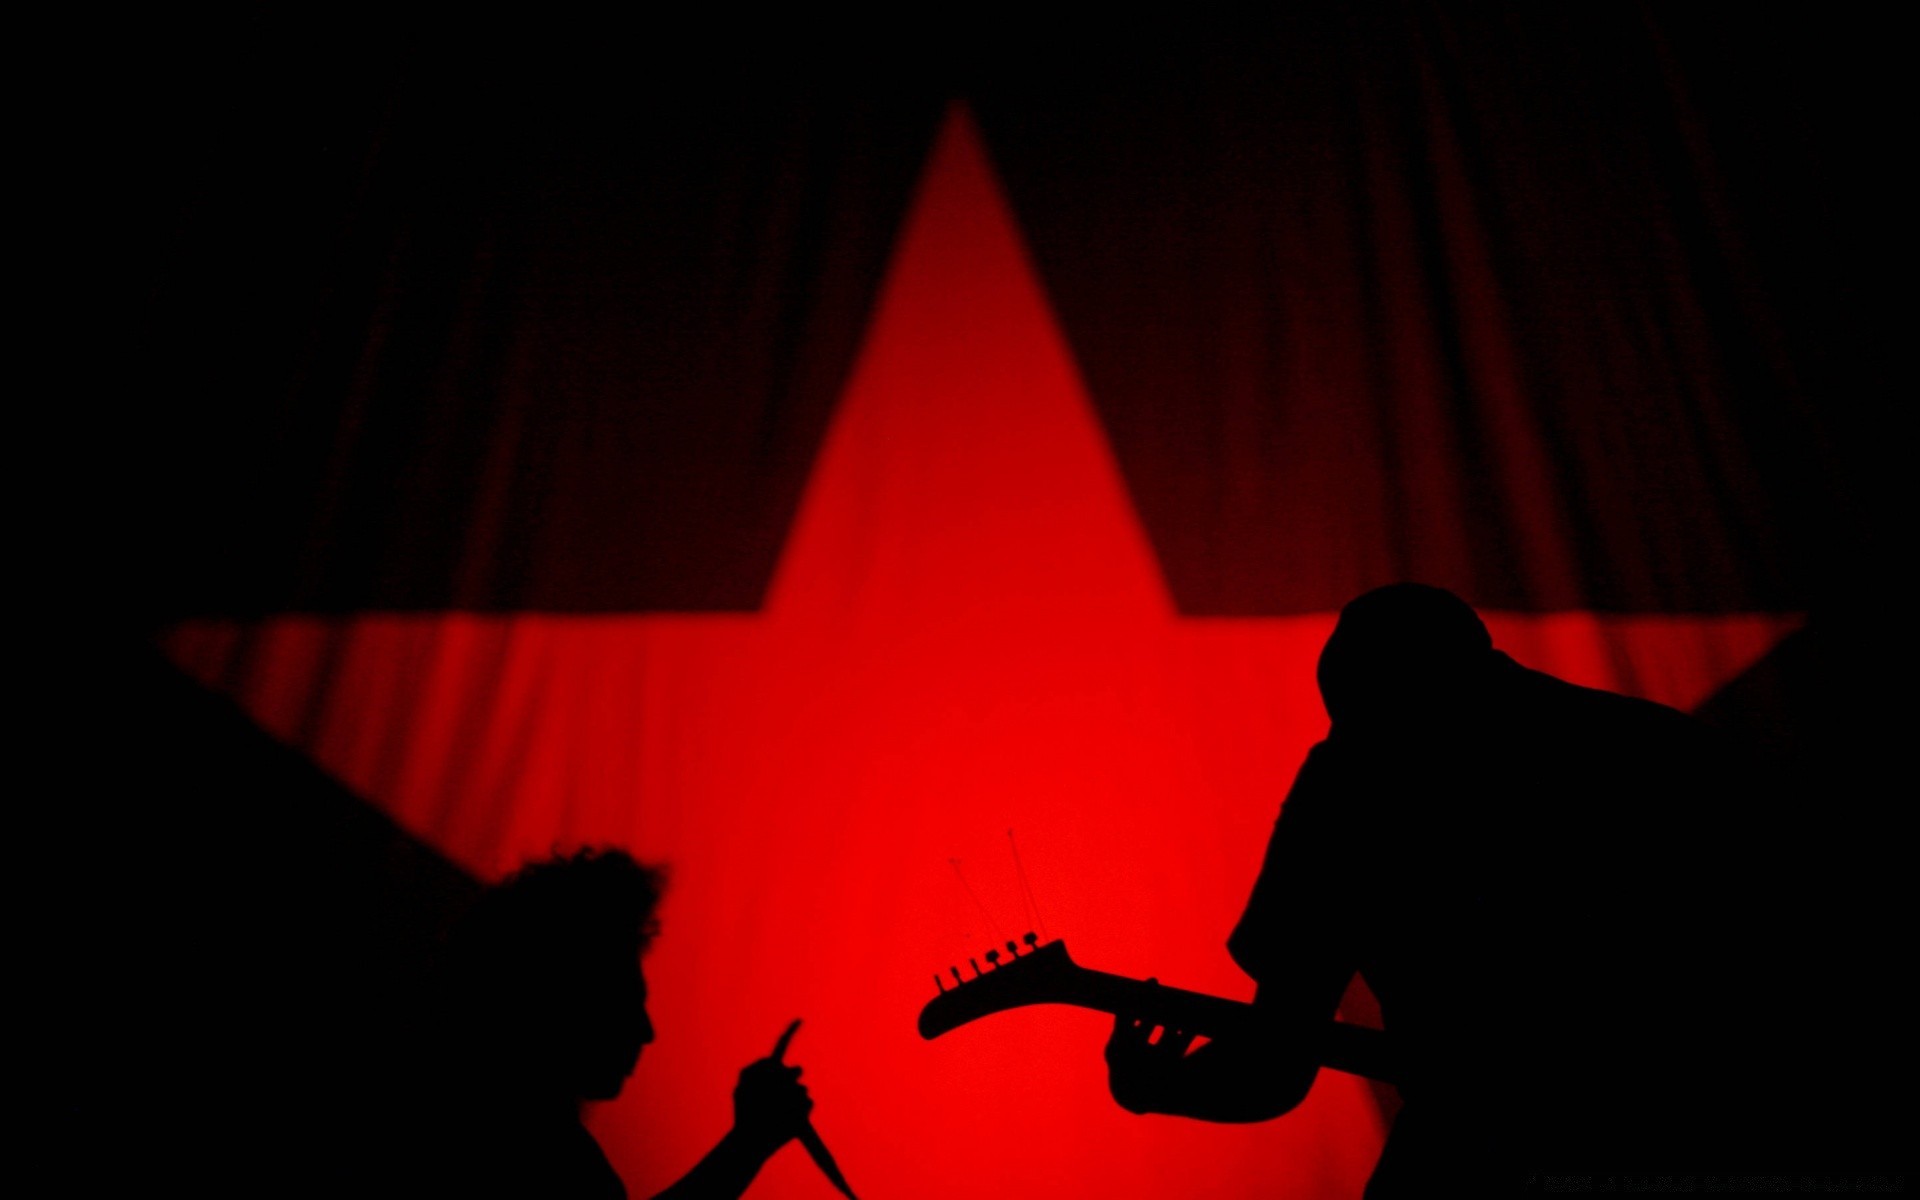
1558,896
543,1007
1045,974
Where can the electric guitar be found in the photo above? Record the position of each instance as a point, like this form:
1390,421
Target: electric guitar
1045,975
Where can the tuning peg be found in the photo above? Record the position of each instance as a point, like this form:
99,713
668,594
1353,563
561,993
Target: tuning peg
1013,948
956,975
993,959
1032,939
940,983
975,963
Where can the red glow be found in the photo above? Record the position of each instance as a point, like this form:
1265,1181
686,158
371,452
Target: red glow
968,632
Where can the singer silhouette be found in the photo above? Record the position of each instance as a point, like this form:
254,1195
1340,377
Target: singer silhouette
541,1009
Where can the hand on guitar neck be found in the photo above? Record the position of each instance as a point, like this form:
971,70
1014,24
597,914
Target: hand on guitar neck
1252,1077
1145,1073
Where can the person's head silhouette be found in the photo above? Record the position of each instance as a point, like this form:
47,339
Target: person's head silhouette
546,971
1403,654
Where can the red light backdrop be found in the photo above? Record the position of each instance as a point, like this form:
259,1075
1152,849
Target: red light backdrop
968,632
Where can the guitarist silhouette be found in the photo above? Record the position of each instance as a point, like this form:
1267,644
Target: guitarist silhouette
1541,885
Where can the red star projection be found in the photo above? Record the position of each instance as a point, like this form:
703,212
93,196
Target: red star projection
968,632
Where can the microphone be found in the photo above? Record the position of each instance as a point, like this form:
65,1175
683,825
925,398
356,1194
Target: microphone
809,1137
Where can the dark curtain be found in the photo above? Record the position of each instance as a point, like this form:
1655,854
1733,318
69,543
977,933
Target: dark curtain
1563,308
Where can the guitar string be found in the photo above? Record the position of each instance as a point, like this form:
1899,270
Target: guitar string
992,924
1026,890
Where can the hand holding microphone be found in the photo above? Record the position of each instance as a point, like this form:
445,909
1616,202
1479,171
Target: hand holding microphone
771,1107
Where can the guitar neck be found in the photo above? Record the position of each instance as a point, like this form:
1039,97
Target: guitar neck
1354,1049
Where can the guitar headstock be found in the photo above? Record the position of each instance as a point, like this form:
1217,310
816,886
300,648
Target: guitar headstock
1037,975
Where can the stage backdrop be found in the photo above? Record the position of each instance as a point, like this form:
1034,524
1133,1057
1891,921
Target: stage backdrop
804,484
